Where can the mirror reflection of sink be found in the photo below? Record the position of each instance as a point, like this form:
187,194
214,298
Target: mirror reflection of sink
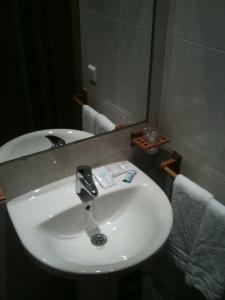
36,141
57,228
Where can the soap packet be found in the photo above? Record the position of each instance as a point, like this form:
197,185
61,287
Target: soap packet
104,177
116,169
129,176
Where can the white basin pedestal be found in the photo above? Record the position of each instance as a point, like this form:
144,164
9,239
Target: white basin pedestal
57,229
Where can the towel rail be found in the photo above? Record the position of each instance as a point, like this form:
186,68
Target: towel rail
78,101
2,195
81,98
170,172
81,101
172,166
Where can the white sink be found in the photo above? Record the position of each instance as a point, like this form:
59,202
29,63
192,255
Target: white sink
36,141
55,226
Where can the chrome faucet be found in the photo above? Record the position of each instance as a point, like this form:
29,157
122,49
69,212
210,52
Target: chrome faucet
84,184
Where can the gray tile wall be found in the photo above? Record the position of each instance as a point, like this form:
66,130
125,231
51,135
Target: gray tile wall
116,38
192,110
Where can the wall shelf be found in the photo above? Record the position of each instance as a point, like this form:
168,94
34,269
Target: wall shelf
137,139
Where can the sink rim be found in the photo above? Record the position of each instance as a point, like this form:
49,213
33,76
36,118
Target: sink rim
116,267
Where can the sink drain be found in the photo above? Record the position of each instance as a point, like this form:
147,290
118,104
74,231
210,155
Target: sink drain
99,239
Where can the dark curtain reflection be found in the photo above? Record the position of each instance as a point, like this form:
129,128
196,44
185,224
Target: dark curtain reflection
31,36
37,58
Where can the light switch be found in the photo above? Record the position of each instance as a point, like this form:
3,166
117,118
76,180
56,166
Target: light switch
92,74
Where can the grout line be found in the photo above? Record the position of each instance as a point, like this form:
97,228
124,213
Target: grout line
100,15
116,20
196,43
121,10
173,147
217,177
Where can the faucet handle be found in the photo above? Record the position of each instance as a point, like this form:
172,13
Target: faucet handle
84,174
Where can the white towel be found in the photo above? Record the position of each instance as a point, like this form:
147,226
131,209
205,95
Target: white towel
89,119
103,124
205,269
189,202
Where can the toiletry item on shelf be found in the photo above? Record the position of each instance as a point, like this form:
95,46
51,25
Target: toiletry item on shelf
104,177
129,176
151,135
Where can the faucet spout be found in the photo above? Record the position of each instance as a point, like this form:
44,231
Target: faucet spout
84,184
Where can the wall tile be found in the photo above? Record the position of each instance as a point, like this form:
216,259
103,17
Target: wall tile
138,12
195,172
193,96
110,142
135,47
217,187
102,52
109,8
14,177
88,153
123,154
198,20
217,161
45,167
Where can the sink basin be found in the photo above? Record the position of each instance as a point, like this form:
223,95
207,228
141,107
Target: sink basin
36,141
56,227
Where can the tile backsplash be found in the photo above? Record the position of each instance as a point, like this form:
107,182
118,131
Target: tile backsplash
25,174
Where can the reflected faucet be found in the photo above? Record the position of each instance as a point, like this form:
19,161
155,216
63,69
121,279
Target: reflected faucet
84,184
56,141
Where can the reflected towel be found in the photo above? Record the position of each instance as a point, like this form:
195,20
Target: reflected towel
89,119
103,124
189,202
205,269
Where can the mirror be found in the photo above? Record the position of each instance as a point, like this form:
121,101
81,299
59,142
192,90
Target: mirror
60,59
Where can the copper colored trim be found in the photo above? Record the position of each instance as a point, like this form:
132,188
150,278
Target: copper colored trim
172,166
78,101
2,195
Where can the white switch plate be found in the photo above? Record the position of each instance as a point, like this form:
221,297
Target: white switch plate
92,74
